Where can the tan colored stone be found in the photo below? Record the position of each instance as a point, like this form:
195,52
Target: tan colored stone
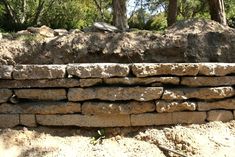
89,82
199,93
41,94
9,120
24,72
219,115
98,70
189,117
208,81
45,83
115,93
233,114
84,120
28,120
142,81
151,119
221,104
5,95
133,107
43,30
41,107
216,69
153,69
6,71
164,106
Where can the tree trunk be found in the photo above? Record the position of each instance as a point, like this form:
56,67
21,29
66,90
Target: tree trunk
172,12
119,14
217,11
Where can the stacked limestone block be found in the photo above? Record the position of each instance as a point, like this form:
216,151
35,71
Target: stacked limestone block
113,95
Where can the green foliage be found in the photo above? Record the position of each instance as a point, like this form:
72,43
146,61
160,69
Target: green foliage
98,137
157,22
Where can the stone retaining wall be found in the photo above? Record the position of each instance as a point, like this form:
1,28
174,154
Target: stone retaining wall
113,95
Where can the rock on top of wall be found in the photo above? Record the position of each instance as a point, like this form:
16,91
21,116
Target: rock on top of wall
98,70
216,69
22,72
153,69
6,71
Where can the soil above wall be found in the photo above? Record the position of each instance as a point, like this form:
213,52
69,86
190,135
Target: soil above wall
186,41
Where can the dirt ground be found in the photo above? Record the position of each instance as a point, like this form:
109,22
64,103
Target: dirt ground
215,139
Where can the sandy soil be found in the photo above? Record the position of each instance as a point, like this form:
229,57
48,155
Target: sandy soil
215,139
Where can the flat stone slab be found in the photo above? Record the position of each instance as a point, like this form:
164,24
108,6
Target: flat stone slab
28,120
9,120
42,83
41,94
198,93
142,81
98,70
208,81
174,106
25,72
219,115
90,82
154,69
221,104
41,107
84,120
6,71
189,117
5,95
133,107
115,93
216,69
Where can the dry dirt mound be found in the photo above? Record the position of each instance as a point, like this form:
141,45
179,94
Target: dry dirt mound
212,139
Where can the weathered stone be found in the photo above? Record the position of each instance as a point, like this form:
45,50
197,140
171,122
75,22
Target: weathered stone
89,82
222,104
219,115
41,94
5,95
105,27
133,107
216,69
151,119
28,120
9,120
188,117
233,114
84,120
41,107
164,106
208,81
60,32
43,30
6,71
115,93
44,83
199,93
142,81
153,69
98,70
24,72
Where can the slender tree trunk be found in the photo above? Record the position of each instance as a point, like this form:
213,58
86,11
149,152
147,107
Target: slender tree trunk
217,11
119,14
172,12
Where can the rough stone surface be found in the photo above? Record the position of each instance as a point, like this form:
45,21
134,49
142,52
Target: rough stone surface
151,69
98,70
151,119
115,93
24,72
217,69
142,81
28,120
5,95
208,81
44,83
133,107
219,115
43,30
188,117
41,94
9,120
84,120
222,104
41,107
89,82
165,106
6,71
199,93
